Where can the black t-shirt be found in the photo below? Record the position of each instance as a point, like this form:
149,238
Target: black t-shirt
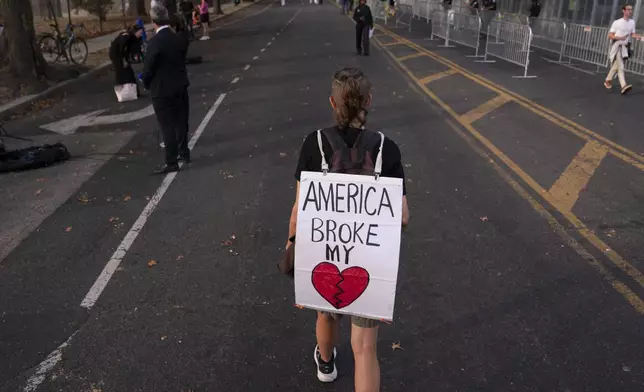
310,159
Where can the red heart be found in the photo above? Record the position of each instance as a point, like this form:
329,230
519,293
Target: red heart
340,289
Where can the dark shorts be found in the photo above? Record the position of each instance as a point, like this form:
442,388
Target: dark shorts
355,320
204,18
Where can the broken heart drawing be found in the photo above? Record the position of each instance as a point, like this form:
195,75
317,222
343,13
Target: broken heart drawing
340,289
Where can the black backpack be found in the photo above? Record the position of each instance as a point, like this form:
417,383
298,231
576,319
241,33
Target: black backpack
356,159
33,157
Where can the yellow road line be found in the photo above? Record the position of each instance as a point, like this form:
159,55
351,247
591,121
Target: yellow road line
630,296
617,150
484,109
411,56
436,76
581,228
576,176
388,44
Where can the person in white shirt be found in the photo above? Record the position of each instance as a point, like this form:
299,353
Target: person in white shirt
620,35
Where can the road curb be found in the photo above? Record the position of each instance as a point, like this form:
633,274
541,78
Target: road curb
19,104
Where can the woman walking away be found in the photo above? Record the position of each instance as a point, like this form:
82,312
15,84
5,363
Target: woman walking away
364,23
204,18
350,99
120,55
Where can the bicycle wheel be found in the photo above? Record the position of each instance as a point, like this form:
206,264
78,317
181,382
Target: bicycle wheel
78,51
49,48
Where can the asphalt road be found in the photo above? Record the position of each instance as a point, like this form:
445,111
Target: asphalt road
498,290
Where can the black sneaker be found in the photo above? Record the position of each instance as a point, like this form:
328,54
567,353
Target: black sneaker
326,370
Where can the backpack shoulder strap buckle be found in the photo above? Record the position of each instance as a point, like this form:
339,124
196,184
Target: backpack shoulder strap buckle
324,164
378,166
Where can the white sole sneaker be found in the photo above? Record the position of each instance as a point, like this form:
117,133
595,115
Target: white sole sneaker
321,376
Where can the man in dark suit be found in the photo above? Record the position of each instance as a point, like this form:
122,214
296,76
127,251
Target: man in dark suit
166,77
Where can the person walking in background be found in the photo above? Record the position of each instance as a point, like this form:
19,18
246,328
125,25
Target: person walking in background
204,18
620,35
345,6
364,24
187,8
350,99
165,75
121,50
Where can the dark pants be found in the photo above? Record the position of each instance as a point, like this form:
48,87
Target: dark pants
362,37
172,115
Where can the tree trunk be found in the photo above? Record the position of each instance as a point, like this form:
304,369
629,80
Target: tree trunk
20,49
140,8
218,10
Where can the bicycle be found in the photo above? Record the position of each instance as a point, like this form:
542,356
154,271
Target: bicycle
68,45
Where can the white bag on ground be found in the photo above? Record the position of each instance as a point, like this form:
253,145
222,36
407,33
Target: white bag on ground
126,92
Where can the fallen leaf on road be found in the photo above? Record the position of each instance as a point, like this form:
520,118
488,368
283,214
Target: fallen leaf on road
127,198
83,198
226,243
68,229
38,192
299,306
282,154
233,237
164,337
152,263
396,346
180,257
484,219
114,219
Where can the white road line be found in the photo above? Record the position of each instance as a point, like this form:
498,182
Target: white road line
269,44
255,58
45,366
235,80
247,67
263,50
292,19
111,266
273,39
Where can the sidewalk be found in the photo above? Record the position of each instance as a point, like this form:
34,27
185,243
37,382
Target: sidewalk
103,42
95,45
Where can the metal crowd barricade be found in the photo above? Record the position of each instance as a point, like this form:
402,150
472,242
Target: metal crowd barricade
404,15
635,63
513,18
466,30
422,9
589,44
440,26
511,43
379,10
549,35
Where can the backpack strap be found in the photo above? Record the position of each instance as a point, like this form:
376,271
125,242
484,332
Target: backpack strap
378,166
324,165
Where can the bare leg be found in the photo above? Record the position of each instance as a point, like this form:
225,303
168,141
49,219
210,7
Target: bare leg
364,342
327,331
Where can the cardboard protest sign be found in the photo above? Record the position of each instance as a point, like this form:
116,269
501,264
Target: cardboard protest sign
347,244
